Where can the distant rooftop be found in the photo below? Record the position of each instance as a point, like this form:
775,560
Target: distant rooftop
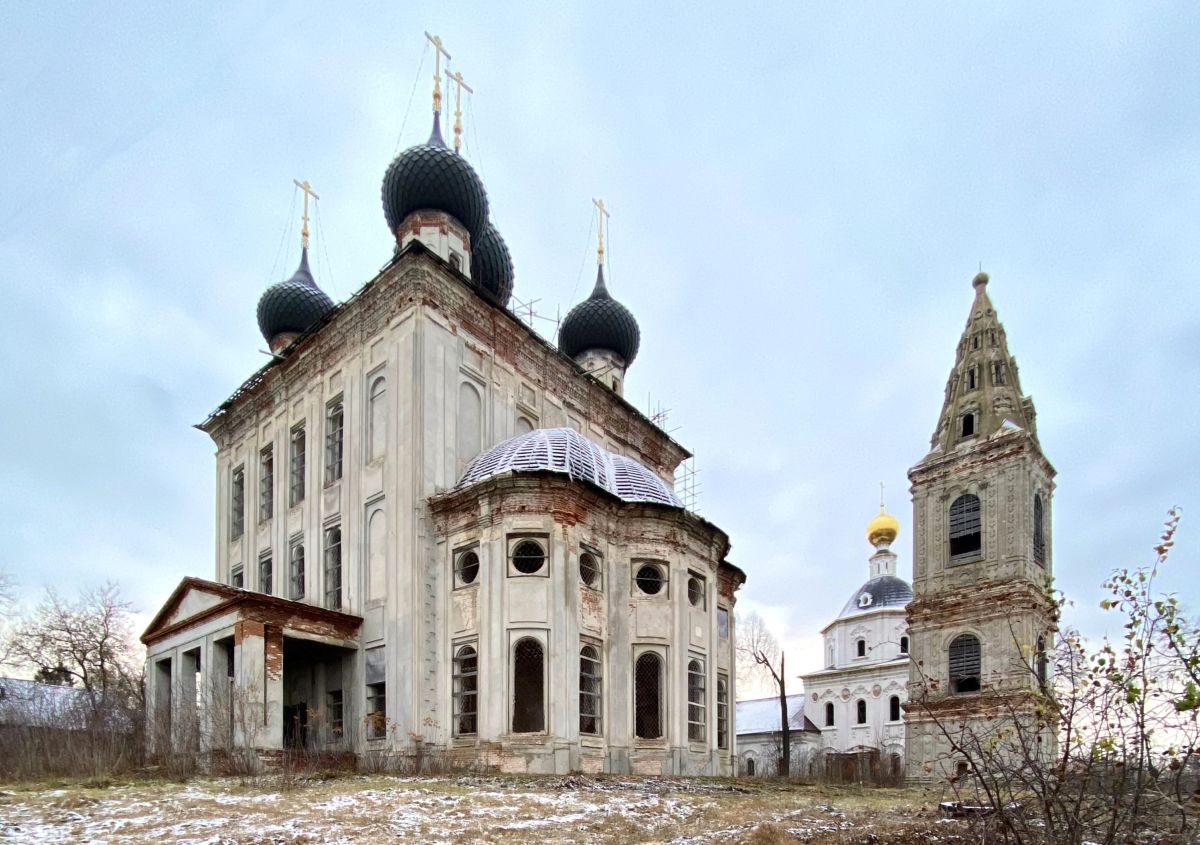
761,715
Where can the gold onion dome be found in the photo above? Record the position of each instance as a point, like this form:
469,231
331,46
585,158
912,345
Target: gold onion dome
882,530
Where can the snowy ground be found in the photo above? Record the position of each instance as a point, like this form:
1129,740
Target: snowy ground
463,809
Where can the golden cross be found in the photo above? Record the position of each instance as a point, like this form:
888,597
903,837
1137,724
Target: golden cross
604,215
308,192
457,78
881,497
438,52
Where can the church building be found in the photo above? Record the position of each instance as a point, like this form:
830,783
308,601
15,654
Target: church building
440,534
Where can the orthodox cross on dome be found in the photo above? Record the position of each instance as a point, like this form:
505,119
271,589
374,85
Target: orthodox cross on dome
438,52
604,215
881,508
308,192
457,79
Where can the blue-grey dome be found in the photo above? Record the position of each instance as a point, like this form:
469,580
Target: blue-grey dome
881,591
600,322
293,305
491,266
432,176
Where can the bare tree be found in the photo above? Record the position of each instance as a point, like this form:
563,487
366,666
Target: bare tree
8,612
759,654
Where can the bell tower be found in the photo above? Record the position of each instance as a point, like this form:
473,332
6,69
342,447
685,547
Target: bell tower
980,620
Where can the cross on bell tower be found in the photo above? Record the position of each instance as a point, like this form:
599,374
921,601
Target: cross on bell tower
308,192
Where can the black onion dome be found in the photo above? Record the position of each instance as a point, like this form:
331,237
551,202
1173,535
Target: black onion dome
292,305
430,175
881,591
600,322
491,266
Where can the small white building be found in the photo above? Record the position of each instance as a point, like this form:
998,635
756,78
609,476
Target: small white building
857,700
760,739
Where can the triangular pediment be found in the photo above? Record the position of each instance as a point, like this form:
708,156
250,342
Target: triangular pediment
193,596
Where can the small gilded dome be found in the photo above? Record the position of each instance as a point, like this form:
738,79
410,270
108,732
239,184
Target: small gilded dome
293,305
491,266
432,176
600,322
883,529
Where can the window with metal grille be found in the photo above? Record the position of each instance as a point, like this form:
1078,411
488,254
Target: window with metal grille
334,417
296,466
894,708
860,648
333,568
266,484
589,570
237,503
466,691
966,538
904,645
650,579
528,557
968,425
529,681
647,696
376,718
237,578
696,591
722,711
829,714
296,571
265,574
860,709
1039,533
335,712
696,701
589,690
466,568
965,663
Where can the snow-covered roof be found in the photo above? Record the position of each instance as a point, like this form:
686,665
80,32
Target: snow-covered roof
761,715
567,451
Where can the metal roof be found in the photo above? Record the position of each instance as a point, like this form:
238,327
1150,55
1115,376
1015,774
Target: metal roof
761,715
567,451
882,591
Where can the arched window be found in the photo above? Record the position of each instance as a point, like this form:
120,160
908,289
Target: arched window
466,691
377,419
829,714
647,696
589,690
830,662
334,441
377,554
904,645
966,537
529,681
861,712
522,426
470,424
750,767
1039,532
894,708
860,648
722,712
1043,663
965,663
696,703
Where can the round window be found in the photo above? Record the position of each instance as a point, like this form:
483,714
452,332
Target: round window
650,579
468,567
696,591
589,569
528,557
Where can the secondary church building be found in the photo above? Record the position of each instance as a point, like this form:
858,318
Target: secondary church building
438,532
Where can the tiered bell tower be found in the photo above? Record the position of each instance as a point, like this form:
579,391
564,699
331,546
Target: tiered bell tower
980,620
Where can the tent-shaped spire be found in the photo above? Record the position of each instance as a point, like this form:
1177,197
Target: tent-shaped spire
983,394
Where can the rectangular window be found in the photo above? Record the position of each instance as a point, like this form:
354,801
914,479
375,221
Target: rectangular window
335,713
266,484
723,622
971,379
376,718
334,417
237,503
696,701
237,578
333,568
589,690
296,470
296,571
265,574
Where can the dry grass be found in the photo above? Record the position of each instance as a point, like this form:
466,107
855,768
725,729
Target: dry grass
364,809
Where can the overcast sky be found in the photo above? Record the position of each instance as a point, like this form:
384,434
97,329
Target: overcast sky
800,196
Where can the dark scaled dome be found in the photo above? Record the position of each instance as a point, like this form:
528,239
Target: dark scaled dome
491,266
600,322
293,305
430,175
881,591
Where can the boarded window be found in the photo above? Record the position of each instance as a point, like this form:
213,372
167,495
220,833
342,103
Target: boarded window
966,538
696,701
589,690
894,708
377,419
528,714
296,468
829,714
861,712
334,419
964,663
647,696
722,711
466,691
1039,532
